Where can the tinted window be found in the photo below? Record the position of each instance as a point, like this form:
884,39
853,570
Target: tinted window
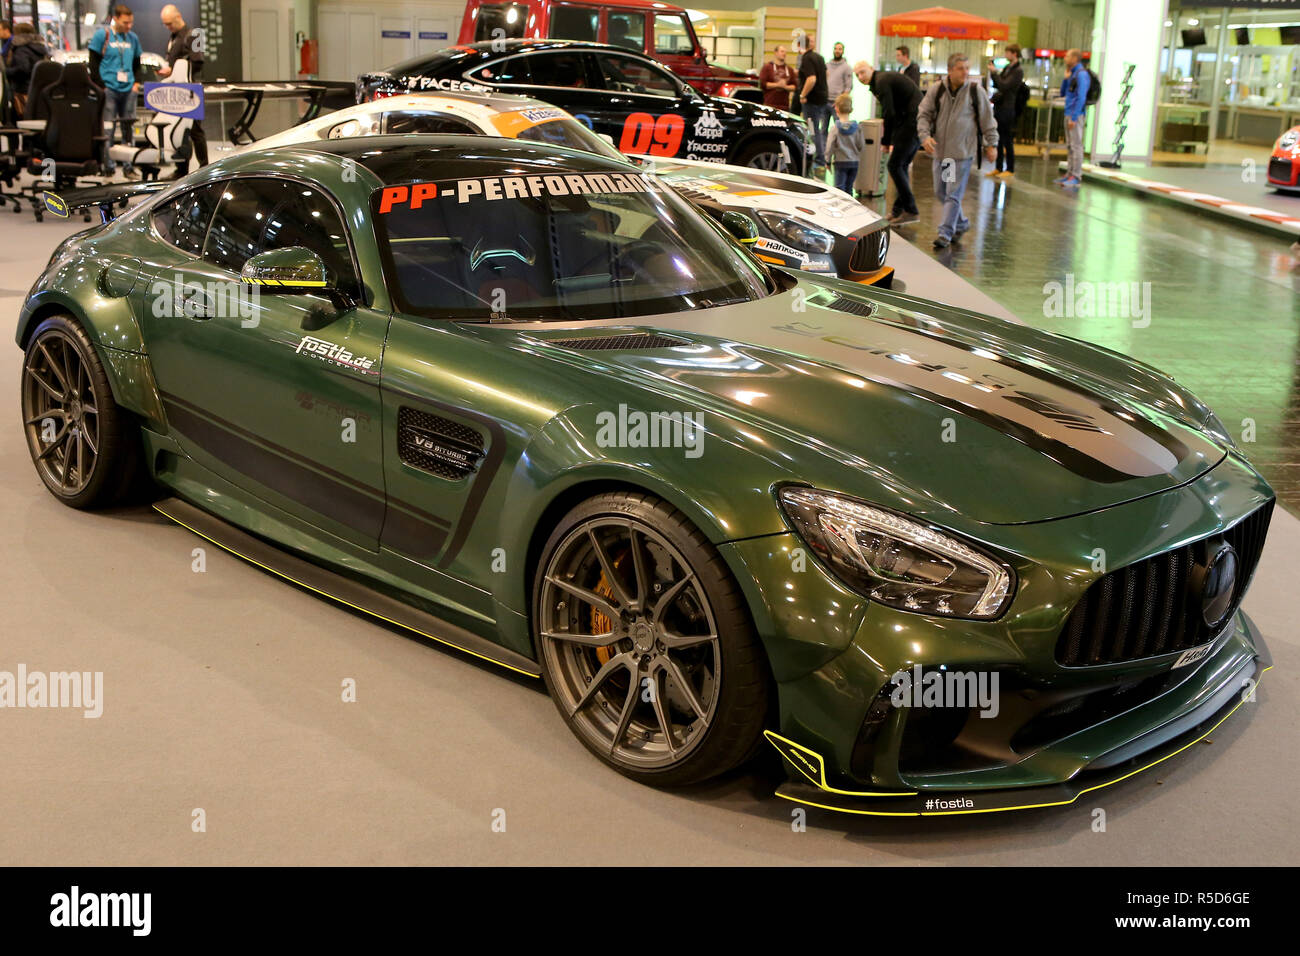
633,76
256,215
410,121
574,23
501,21
183,221
627,30
513,69
558,69
671,35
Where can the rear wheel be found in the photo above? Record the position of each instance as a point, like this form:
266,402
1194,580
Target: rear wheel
85,448
646,643
771,154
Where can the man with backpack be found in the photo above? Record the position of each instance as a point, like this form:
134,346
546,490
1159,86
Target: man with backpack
1007,106
955,120
1081,90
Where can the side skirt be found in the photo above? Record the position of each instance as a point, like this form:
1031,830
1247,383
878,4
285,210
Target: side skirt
339,588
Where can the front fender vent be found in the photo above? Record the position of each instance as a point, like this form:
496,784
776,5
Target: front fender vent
630,340
437,445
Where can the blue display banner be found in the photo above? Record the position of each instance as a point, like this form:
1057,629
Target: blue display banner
175,99
395,34
433,34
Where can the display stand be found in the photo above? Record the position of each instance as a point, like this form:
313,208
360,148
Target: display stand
1121,126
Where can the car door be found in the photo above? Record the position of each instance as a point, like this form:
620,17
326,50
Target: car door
645,109
275,392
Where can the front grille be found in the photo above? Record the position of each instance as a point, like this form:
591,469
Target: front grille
870,252
1148,608
1280,170
630,340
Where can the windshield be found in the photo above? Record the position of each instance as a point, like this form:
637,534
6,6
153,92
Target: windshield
569,132
563,247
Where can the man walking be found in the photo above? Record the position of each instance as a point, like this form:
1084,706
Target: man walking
777,80
903,57
1006,100
900,100
839,76
186,44
115,62
1075,90
955,118
814,97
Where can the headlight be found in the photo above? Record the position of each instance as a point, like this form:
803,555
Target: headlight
802,235
897,561
1289,139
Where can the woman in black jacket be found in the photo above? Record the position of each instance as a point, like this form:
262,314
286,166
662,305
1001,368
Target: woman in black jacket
1006,89
25,51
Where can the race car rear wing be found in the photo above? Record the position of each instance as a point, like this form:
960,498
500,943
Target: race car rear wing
107,198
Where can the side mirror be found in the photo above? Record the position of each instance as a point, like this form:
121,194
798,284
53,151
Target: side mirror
293,270
741,227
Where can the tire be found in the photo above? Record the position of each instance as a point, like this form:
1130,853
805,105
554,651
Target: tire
95,457
774,155
646,643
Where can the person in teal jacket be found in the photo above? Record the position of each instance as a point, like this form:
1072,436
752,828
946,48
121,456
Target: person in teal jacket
1075,90
115,63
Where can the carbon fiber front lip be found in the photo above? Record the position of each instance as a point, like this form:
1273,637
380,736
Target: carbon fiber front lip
951,803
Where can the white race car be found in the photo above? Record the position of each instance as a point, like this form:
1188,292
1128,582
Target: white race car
798,223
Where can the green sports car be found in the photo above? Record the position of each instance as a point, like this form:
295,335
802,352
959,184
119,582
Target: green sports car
527,402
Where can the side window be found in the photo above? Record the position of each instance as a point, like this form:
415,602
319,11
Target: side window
257,214
671,35
633,76
574,23
627,30
417,121
513,69
558,69
183,221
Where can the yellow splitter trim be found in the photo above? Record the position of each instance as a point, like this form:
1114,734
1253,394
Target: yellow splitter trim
333,597
773,738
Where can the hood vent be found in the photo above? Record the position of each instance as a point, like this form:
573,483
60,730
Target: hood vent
630,340
842,303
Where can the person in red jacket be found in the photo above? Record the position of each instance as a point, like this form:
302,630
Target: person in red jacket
777,80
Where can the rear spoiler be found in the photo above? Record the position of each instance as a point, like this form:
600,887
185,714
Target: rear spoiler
105,198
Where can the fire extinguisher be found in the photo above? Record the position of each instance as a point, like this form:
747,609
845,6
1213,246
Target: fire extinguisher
307,57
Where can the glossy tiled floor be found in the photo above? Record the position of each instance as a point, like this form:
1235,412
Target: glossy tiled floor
1224,300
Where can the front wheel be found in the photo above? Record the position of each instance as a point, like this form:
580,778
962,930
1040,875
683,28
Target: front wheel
85,448
646,643
774,155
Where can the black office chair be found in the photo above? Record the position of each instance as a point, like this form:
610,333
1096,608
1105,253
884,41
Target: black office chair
21,144
73,145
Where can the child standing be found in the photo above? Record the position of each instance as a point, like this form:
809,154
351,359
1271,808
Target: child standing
845,143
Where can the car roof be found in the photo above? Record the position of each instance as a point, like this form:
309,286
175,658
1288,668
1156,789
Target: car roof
411,157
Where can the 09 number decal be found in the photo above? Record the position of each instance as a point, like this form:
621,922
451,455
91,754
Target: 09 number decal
644,134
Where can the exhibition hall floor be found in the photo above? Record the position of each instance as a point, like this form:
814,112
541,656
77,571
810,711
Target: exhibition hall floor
222,689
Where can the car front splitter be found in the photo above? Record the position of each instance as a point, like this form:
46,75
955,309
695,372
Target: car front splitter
937,803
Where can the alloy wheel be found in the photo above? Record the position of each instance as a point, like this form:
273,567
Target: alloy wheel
631,641
60,413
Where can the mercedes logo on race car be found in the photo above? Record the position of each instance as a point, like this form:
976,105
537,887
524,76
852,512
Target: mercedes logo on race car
1220,586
